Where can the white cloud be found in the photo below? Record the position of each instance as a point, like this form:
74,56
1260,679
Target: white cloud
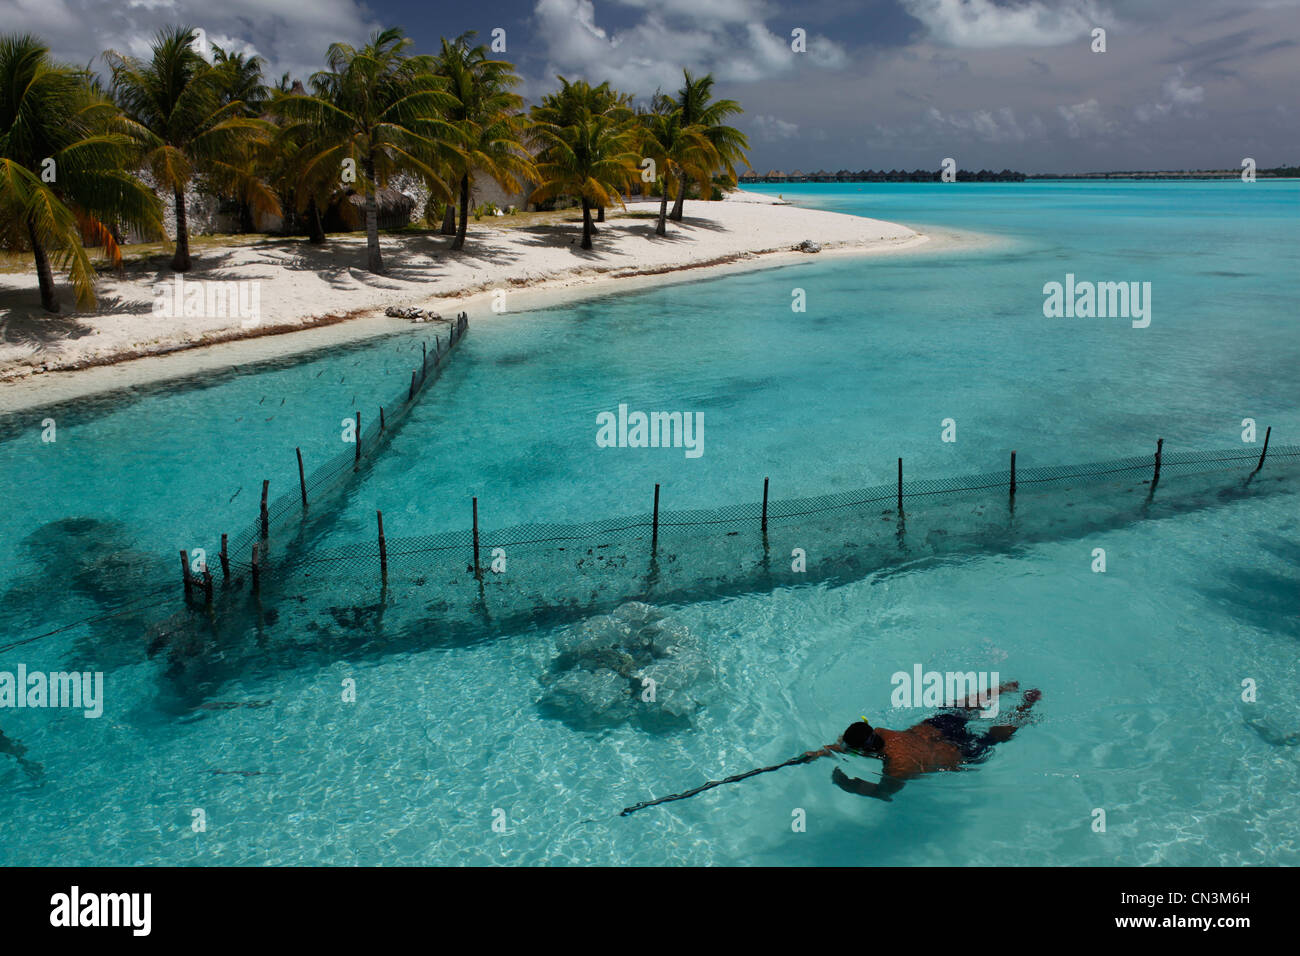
711,11
994,126
984,24
290,34
1085,119
1177,98
651,54
773,129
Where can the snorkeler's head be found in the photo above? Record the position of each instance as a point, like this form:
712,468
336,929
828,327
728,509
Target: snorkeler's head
860,736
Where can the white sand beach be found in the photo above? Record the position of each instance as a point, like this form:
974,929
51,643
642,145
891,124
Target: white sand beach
323,294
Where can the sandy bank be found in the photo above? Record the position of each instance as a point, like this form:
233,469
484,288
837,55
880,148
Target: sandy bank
323,295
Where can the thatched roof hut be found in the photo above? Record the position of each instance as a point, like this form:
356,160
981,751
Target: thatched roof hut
348,214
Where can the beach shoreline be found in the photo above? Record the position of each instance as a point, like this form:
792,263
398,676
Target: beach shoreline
750,232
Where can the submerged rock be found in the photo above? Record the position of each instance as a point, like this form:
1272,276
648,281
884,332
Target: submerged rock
631,664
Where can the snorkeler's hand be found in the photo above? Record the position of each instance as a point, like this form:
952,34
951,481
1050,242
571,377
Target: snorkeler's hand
860,787
824,751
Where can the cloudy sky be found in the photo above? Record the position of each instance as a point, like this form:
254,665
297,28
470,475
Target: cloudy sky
1183,84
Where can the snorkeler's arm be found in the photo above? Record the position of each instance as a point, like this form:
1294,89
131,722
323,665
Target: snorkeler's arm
973,702
835,748
881,791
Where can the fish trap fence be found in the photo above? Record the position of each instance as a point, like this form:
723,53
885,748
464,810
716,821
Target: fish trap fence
671,555
281,516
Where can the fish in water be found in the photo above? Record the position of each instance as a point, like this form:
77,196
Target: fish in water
18,752
236,494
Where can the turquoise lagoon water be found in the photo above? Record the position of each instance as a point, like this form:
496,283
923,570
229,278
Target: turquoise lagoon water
1141,667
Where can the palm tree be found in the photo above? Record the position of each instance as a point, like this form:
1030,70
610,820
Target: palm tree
63,168
565,105
241,82
383,110
175,101
697,110
583,153
486,113
678,151
305,187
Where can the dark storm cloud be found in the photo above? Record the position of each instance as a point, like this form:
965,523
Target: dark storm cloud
1182,84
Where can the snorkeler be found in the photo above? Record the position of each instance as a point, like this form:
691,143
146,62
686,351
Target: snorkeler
939,743
19,753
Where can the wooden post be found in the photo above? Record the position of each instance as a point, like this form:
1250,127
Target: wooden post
1267,432
900,487
266,517
256,567
383,551
356,460
1013,473
185,572
382,426
410,392
477,572
225,559
764,506
302,480
654,533
1160,444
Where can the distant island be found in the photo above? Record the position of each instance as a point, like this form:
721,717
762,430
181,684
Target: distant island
1005,176
1279,172
872,176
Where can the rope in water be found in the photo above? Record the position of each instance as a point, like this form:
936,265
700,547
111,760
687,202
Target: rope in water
150,597
802,758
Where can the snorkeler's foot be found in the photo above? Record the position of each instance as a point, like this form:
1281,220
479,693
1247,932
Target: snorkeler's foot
1031,697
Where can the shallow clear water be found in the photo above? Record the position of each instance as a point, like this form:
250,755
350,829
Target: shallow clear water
1141,667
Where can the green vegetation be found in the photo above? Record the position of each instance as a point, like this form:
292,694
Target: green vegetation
80,161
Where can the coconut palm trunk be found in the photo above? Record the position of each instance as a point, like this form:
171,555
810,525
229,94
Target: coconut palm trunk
459,241
181,258
43,272
600,213
587,226
315,231
449,220
375,258
676,214
661,228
